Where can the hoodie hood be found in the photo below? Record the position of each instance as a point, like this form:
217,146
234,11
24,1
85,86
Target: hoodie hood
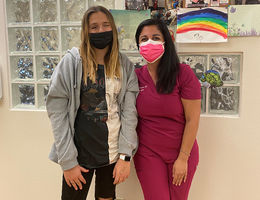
75,53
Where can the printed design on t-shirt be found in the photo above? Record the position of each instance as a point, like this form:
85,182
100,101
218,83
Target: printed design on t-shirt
112,91
93,97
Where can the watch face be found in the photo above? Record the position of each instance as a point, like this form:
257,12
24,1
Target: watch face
127,158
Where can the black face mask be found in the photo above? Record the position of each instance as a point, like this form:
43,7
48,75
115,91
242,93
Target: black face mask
101,40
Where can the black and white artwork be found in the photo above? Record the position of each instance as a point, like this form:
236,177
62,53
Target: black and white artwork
224,100
198,63
228,67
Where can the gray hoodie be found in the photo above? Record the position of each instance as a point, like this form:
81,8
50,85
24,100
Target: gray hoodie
63,101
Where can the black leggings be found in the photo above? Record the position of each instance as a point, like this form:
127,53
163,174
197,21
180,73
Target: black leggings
104,187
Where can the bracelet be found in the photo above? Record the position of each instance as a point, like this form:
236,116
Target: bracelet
187,154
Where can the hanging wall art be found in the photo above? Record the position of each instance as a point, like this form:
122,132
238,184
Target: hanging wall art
127,22
244,20
205,25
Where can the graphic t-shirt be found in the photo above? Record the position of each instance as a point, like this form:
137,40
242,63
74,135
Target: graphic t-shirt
161,119
97,123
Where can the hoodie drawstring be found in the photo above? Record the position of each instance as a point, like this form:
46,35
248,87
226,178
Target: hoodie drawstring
75,73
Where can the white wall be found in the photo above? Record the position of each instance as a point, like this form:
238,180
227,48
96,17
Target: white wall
229,167
230,148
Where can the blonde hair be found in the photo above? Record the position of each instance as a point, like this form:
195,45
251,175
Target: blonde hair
87,53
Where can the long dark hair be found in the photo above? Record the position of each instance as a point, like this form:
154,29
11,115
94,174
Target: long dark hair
168,68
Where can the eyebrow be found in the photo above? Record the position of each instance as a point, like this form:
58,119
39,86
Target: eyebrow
92,24
152,35
95,23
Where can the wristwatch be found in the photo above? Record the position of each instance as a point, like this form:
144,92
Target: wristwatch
125,157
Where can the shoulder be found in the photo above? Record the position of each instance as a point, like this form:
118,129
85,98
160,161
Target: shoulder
187,77
139,71
189,84
123,59
72,54
70,58
185,72
184,68
66,66
122,56
126,64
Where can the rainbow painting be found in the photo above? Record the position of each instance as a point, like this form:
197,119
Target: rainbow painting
205,25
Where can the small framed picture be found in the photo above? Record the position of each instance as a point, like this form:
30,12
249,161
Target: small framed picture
214,3
197,3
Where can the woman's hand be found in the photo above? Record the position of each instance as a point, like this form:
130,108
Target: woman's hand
121,171
74,177
180,170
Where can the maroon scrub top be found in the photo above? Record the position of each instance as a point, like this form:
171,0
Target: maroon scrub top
161,116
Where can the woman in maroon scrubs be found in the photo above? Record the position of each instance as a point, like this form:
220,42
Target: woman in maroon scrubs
168,106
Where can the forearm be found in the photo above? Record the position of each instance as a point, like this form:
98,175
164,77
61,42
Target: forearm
63,140
128,135
189,136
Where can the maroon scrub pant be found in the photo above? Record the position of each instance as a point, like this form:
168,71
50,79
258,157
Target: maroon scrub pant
155,176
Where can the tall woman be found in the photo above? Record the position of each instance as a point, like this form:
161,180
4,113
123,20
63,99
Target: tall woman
168,106
91,105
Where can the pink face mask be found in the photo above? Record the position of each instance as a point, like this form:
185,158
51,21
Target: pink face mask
151,50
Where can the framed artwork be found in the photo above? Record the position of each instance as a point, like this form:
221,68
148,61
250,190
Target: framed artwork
127,22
